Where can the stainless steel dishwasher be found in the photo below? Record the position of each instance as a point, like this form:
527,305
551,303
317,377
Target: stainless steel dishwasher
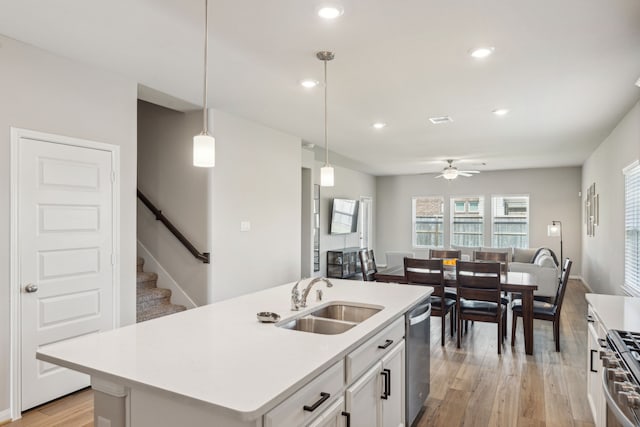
418,359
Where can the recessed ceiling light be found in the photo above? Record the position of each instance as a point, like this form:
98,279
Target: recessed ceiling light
501,111
309,83
440,120
330,11
482,52
379,125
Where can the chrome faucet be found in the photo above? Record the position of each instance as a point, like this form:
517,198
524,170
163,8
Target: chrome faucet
298,301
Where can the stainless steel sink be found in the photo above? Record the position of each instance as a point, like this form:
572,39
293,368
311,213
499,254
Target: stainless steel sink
346,312
317,325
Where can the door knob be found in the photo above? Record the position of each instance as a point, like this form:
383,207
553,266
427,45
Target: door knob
31,288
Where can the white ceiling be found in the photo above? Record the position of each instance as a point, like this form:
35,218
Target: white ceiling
566,69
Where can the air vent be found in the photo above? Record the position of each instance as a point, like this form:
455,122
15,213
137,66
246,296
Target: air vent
440,120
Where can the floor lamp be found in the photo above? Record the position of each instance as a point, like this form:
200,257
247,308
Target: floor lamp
555,230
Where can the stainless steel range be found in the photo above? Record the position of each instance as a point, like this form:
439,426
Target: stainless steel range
621,378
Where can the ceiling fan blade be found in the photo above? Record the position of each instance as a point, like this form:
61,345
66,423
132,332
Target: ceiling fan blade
439,176
469,171
464,174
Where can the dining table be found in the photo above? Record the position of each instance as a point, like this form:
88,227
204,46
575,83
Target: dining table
515,282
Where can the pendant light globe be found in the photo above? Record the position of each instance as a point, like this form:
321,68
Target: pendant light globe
326,172
204,145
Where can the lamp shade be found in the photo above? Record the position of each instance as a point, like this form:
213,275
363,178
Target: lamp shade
326,176
553,230
204,151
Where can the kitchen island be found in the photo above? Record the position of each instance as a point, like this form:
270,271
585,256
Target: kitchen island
217,365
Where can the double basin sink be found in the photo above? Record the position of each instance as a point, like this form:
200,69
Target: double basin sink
332,319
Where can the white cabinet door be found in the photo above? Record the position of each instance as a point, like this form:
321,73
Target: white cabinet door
393,380
334,416
595,395
363,399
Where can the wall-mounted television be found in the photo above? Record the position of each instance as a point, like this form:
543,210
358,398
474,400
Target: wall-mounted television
344,216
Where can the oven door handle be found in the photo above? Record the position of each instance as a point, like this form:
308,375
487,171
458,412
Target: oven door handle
612,405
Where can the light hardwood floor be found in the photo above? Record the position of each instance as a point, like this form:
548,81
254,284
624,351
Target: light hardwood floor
471,386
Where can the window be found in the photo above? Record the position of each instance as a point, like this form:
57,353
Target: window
510,221
428,224
632,229
467,221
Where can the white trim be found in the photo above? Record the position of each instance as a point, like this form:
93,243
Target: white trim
584,282
178,295
5,415
630,167
15,388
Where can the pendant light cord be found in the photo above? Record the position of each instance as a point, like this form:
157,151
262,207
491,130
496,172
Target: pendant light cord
206,43
326,126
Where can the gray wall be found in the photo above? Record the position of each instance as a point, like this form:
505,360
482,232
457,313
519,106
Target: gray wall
43,92
553,195
349,184
603,254
256,179
166,175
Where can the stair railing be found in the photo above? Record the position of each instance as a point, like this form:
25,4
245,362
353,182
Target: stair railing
202,256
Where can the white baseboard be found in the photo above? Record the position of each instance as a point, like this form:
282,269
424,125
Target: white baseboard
178,295
584,282
5,415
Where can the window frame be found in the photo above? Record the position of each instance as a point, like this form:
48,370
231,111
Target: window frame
628,286
414,234
481,212
493,216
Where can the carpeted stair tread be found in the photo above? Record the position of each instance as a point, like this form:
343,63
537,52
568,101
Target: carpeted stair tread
146,279
159,311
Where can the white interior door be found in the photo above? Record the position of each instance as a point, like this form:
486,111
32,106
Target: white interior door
65,250
366,222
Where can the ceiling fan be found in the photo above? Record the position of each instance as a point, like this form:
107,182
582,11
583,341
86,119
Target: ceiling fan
451,172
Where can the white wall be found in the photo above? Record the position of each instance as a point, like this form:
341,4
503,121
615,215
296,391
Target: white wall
256,179
349,184
43,92
603,254
166,175
553,195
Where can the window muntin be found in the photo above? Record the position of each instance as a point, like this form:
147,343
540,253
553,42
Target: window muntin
467,221
510,221
632,229
428,222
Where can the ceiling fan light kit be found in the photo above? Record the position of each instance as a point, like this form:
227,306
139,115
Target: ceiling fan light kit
451,172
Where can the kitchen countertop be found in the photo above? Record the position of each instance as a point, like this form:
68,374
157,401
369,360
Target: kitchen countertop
220,355
617,312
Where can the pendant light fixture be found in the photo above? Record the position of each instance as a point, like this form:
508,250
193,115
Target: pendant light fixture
326,172
204,145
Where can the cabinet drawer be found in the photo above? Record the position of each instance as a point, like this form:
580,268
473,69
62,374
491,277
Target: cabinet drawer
291,412
368,353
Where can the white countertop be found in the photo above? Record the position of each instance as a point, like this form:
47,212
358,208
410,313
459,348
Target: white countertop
221,355
616,312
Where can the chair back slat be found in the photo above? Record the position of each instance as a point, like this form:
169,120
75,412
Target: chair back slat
564,278
368,265
478,281
501,257
427,272
444,254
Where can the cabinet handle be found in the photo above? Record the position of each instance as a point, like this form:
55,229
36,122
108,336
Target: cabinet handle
348,416
385,375
590,318
386,344
603,343
591,361
388,383
323,398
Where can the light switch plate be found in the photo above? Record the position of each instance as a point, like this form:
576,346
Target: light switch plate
245,225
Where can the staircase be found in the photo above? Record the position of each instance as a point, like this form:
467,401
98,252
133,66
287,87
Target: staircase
151,301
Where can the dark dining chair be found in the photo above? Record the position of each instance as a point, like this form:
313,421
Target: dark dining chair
368,265
486,256
430,272
479,296
545,310
444,254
